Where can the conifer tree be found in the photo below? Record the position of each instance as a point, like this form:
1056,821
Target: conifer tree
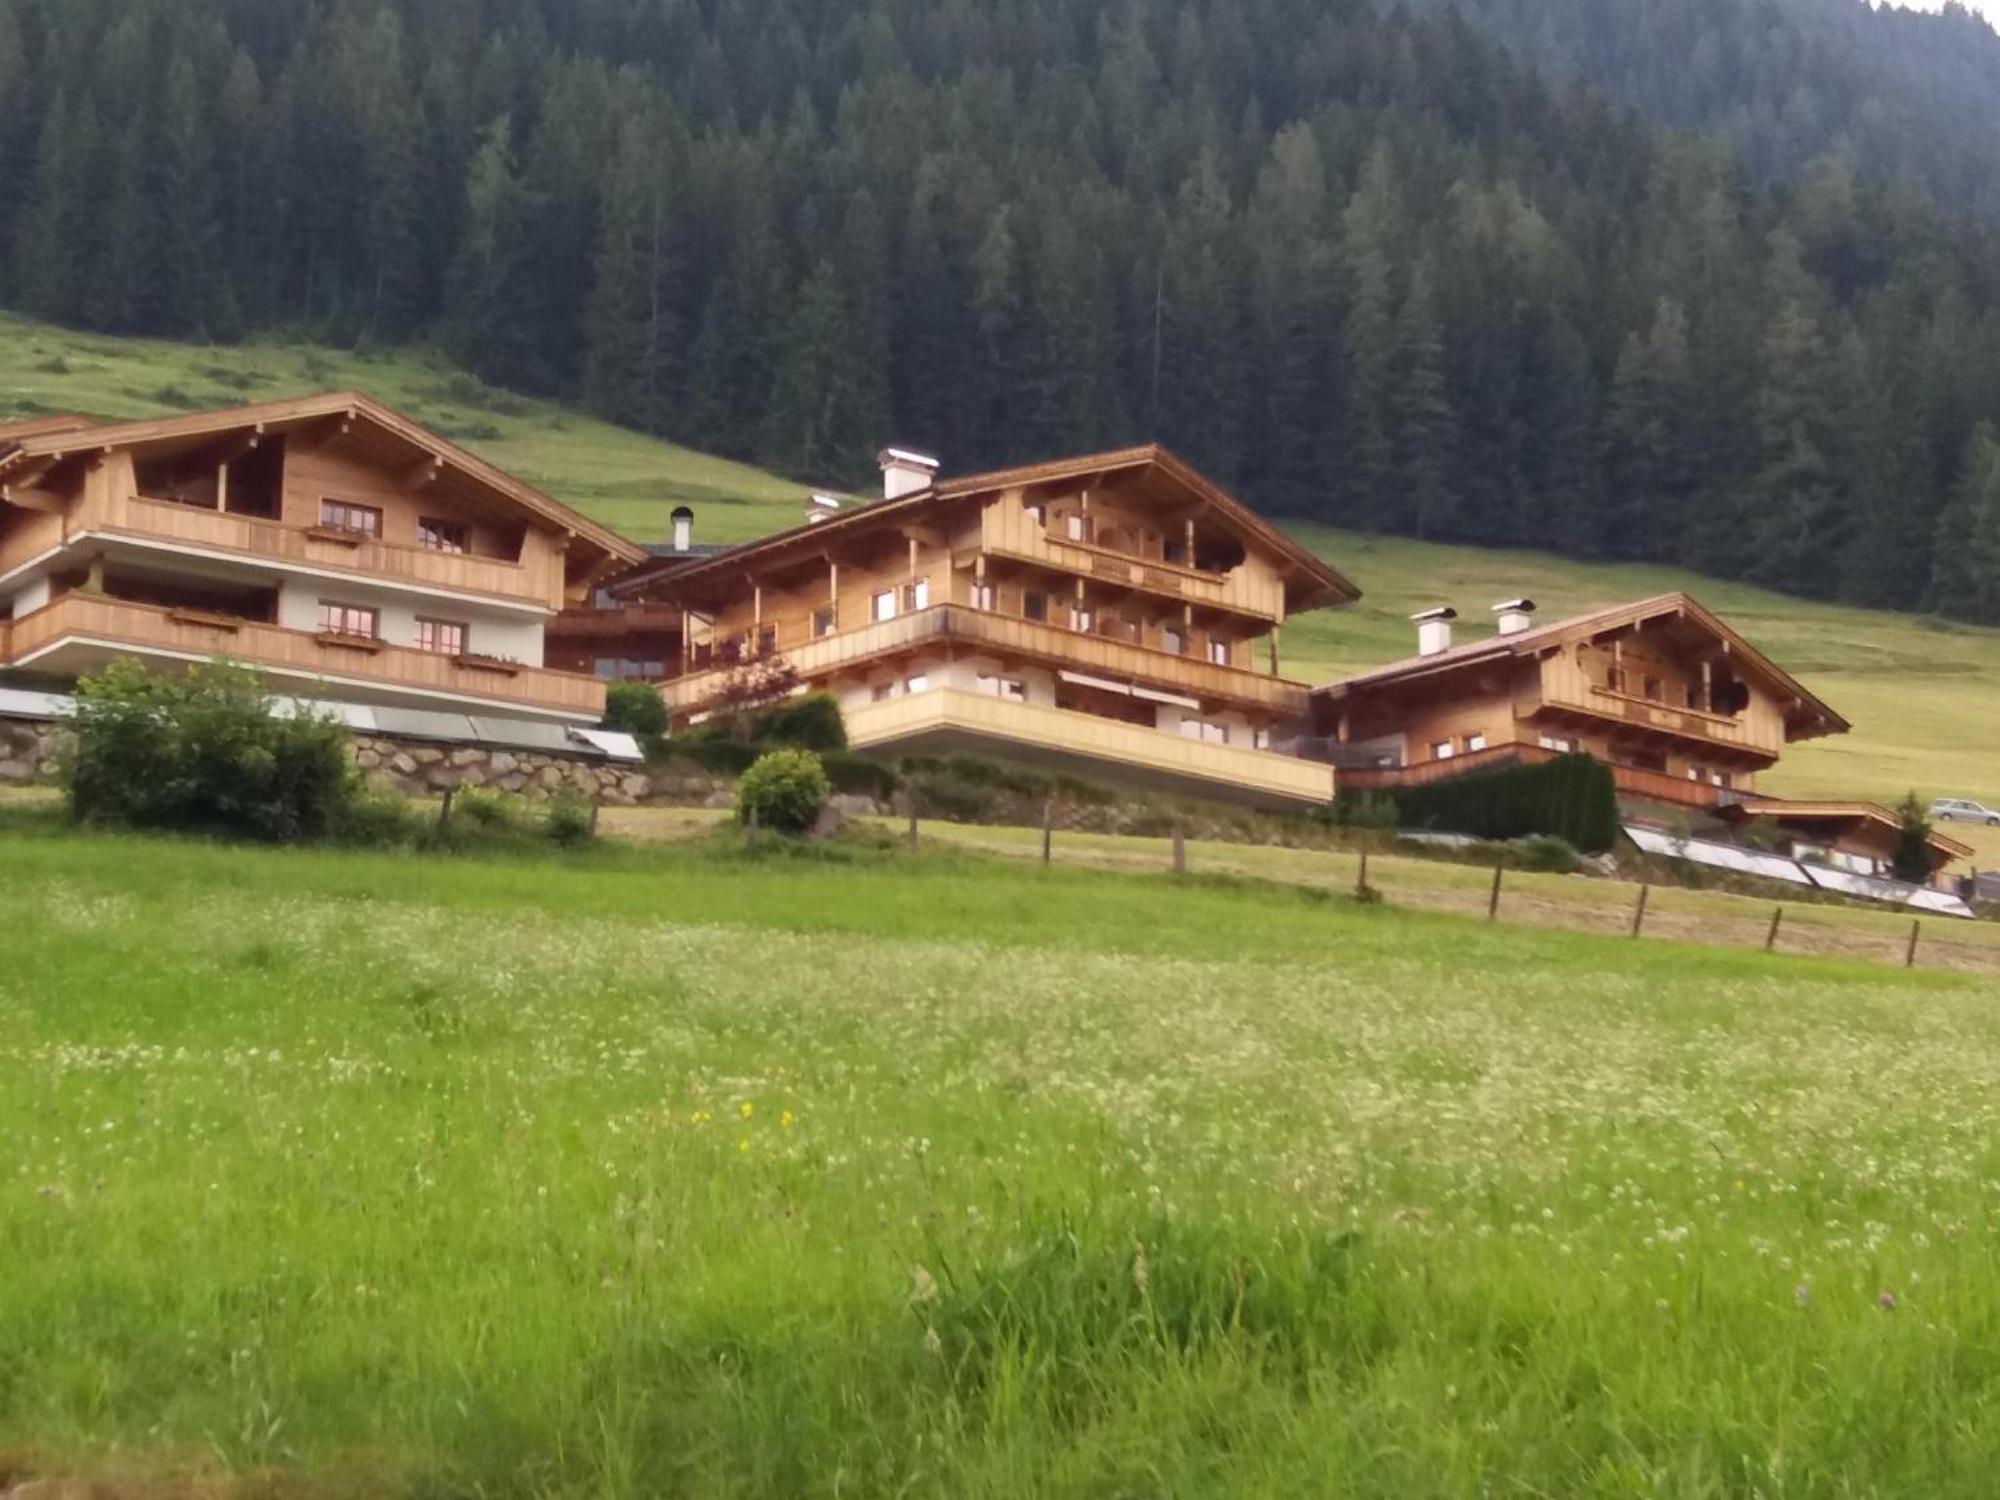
1425,433
1965,576
1371,235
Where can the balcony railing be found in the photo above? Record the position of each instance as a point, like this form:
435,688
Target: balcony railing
611,624
1683,723
1006,633
151,629
367,557
1038,729
1656,786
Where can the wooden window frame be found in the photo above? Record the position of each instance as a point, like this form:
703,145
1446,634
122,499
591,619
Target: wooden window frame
342,613
435,533
876,603
432,623
331,512
1035,606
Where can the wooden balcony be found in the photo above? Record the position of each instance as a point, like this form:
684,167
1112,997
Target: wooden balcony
80,631
945,718
1008,635
1007,530
141,519
1654,786
616,623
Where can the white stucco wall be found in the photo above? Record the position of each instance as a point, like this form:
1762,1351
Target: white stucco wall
31,598
488,632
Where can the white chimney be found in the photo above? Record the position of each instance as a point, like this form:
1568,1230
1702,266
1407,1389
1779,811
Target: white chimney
821,508
1434,629
1514,615
683,529
905,472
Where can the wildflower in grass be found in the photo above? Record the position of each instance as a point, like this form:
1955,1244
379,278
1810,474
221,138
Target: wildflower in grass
785,1119
932,1343
1887,1302
1141,1277
746,1109
925,1289
1802,1294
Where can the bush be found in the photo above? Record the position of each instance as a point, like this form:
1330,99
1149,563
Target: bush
809,723
859,776
635,709
1545,852
377,819
784,790
1571,797
568,817
204,753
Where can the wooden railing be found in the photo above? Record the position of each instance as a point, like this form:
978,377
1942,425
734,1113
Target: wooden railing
147,628
1040,729
1655,786
1050,643
29,534
1686,723
630,619
535,582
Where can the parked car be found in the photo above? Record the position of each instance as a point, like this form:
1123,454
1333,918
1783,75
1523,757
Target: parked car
1959,810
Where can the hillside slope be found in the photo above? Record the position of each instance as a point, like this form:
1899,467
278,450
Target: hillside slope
1924,696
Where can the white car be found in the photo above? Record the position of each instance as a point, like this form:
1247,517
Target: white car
1959,810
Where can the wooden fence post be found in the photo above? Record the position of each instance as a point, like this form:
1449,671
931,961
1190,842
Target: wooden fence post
1771,937
1048,828
596,807
444,812
1916,930
750,831
1639,911
1493,900
1361,879
1180,848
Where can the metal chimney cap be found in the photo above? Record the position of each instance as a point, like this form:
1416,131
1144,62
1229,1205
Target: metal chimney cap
1441,612
1514,607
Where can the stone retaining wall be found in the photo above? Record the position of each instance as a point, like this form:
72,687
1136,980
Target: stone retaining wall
27,750
419,769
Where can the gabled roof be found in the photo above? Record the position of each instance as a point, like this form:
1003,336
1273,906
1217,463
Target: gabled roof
1783,811
1809,717
65,435
1319,583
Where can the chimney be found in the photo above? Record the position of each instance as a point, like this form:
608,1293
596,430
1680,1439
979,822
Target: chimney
821,508
905,472
1434,629
1514,615
683,529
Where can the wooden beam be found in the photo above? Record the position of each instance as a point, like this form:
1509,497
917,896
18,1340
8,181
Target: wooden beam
48,505
423,474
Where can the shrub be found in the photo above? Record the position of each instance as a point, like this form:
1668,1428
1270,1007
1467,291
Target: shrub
1571,797
635,709
377,819
860,777
785,790
204,753
812,722
568,817
1542,851
1911,861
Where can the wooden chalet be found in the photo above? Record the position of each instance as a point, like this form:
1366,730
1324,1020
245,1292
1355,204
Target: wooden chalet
1116,613
1859,837
337,547
1684,710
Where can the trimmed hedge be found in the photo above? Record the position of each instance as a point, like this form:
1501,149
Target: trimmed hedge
1571,798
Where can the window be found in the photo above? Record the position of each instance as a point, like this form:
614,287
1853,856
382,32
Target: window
884,607
1035,604
1038,515
1083,619
982,596
339,515
1443,750
917,684
348,619
1172,641
446,637
1010,688
917,595
1719,778
1614,678
823,622
767,639
1218,651
1078,527
1260,739
1654,690
434,535
1474,742
1202,729
881,691
1558,743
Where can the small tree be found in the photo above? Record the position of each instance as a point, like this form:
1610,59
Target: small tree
812,722
204,753
1912,860
745,693
785,790
637,710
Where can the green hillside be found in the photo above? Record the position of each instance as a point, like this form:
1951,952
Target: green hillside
1924,696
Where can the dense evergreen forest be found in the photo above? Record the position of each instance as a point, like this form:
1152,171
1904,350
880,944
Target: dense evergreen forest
1466,275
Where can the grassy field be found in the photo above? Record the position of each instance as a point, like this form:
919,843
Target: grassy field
675,1172
1924,696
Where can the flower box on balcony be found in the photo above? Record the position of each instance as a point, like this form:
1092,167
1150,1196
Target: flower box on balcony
205,619
339,535
496,664
370,644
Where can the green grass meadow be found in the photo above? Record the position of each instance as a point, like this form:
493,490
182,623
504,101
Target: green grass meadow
676,1171
1923,695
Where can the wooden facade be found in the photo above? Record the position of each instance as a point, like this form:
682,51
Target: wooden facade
1116,612
328,542
1682,707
